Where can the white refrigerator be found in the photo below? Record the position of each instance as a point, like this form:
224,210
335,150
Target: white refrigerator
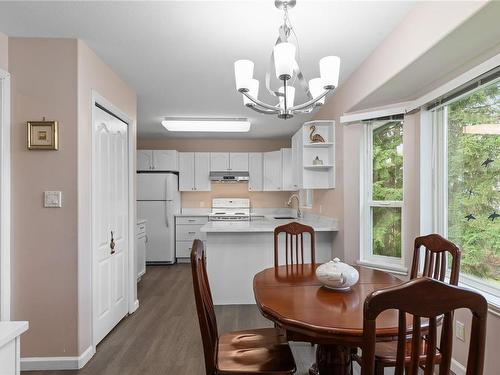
158,200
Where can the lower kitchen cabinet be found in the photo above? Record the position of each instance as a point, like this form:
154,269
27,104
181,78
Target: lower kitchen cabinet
187,229
141,244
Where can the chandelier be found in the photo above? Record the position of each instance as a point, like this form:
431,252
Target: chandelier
287,71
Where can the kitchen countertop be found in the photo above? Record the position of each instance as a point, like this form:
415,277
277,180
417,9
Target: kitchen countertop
10,330
193,212
268,223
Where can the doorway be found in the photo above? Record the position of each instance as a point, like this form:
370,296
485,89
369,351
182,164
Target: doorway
112,249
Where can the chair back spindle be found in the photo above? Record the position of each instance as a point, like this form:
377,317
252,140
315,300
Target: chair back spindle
425,298
294,243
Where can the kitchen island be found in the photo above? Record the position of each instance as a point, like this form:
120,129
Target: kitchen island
237,250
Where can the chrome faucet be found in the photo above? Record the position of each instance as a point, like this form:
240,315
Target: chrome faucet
289,203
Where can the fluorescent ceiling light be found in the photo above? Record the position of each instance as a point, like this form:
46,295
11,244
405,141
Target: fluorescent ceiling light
206,124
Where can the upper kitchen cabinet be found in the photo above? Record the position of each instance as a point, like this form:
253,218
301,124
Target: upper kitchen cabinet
157,160
238,161
273,177
313,151
194,170
144,160
255,172
289,180
229,161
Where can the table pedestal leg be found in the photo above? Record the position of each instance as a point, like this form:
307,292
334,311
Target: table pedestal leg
332,360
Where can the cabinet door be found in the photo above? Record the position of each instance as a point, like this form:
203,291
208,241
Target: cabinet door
297,165
219,161
238,161
165,160
255,171
202,171
287,169
272,171
186,171
141,254
144,160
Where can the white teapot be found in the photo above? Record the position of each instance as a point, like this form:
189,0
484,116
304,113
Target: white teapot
337,275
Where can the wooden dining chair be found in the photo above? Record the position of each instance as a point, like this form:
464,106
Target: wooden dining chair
258,351
425,298
294,243
436,250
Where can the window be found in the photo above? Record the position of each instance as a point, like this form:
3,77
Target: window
468,131
383,193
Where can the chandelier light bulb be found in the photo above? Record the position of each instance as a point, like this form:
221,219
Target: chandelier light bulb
253,90
284,60
243,73
290,97
316,88
329,68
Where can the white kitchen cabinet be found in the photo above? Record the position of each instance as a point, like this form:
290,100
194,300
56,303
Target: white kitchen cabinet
229,161
165,160
255,171
297,160
186,171
158,160
273,179
141,244
194,171
238,161
144,160
287,168
187,229
219,161
202,171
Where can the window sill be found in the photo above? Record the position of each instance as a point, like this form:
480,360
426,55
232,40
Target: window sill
392,268
493,300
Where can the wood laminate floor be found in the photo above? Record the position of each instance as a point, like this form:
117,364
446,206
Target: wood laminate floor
163,337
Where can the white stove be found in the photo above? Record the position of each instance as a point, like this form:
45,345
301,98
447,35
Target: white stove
230,209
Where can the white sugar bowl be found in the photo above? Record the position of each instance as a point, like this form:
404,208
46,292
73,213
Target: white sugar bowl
337,275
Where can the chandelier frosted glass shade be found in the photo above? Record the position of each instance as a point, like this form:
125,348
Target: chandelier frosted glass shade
284,60
329,68
243,73
290,97
316,87
253,90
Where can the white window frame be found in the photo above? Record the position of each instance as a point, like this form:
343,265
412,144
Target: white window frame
367,258
440,200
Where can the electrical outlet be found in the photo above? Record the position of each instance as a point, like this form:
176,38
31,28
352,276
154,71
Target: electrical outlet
460,330
52,199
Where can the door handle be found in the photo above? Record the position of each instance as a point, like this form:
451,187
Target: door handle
166,215
112,243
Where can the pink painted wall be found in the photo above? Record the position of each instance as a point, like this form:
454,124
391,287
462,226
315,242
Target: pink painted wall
93,74
268,199
44,251
51,248
4,52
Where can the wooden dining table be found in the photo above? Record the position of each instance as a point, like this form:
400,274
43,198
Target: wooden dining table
293,298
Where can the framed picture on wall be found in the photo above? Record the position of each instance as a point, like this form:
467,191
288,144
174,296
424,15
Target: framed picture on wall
43,135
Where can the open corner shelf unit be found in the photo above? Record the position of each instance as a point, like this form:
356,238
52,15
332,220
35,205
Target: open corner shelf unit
311,175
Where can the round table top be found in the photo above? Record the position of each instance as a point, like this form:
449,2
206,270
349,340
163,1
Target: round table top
293,297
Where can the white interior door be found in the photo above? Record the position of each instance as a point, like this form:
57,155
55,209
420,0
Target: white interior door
110,222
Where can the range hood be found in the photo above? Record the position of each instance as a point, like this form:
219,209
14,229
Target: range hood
229,177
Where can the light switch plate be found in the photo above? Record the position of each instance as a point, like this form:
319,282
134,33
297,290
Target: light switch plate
53,199
460,330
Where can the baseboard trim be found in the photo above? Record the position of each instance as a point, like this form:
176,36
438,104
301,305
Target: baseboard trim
457,367
135,307
57,363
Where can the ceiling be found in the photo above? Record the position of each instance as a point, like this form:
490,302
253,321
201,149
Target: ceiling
179,55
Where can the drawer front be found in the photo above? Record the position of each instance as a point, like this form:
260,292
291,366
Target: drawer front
189,233
183,249
192,219
141,228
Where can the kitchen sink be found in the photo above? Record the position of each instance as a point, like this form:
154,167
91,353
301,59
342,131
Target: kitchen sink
285,217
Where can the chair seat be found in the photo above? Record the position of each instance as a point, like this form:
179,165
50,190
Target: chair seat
259,351
385,353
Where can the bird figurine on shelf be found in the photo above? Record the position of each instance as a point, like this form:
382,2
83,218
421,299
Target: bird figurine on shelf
315,138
